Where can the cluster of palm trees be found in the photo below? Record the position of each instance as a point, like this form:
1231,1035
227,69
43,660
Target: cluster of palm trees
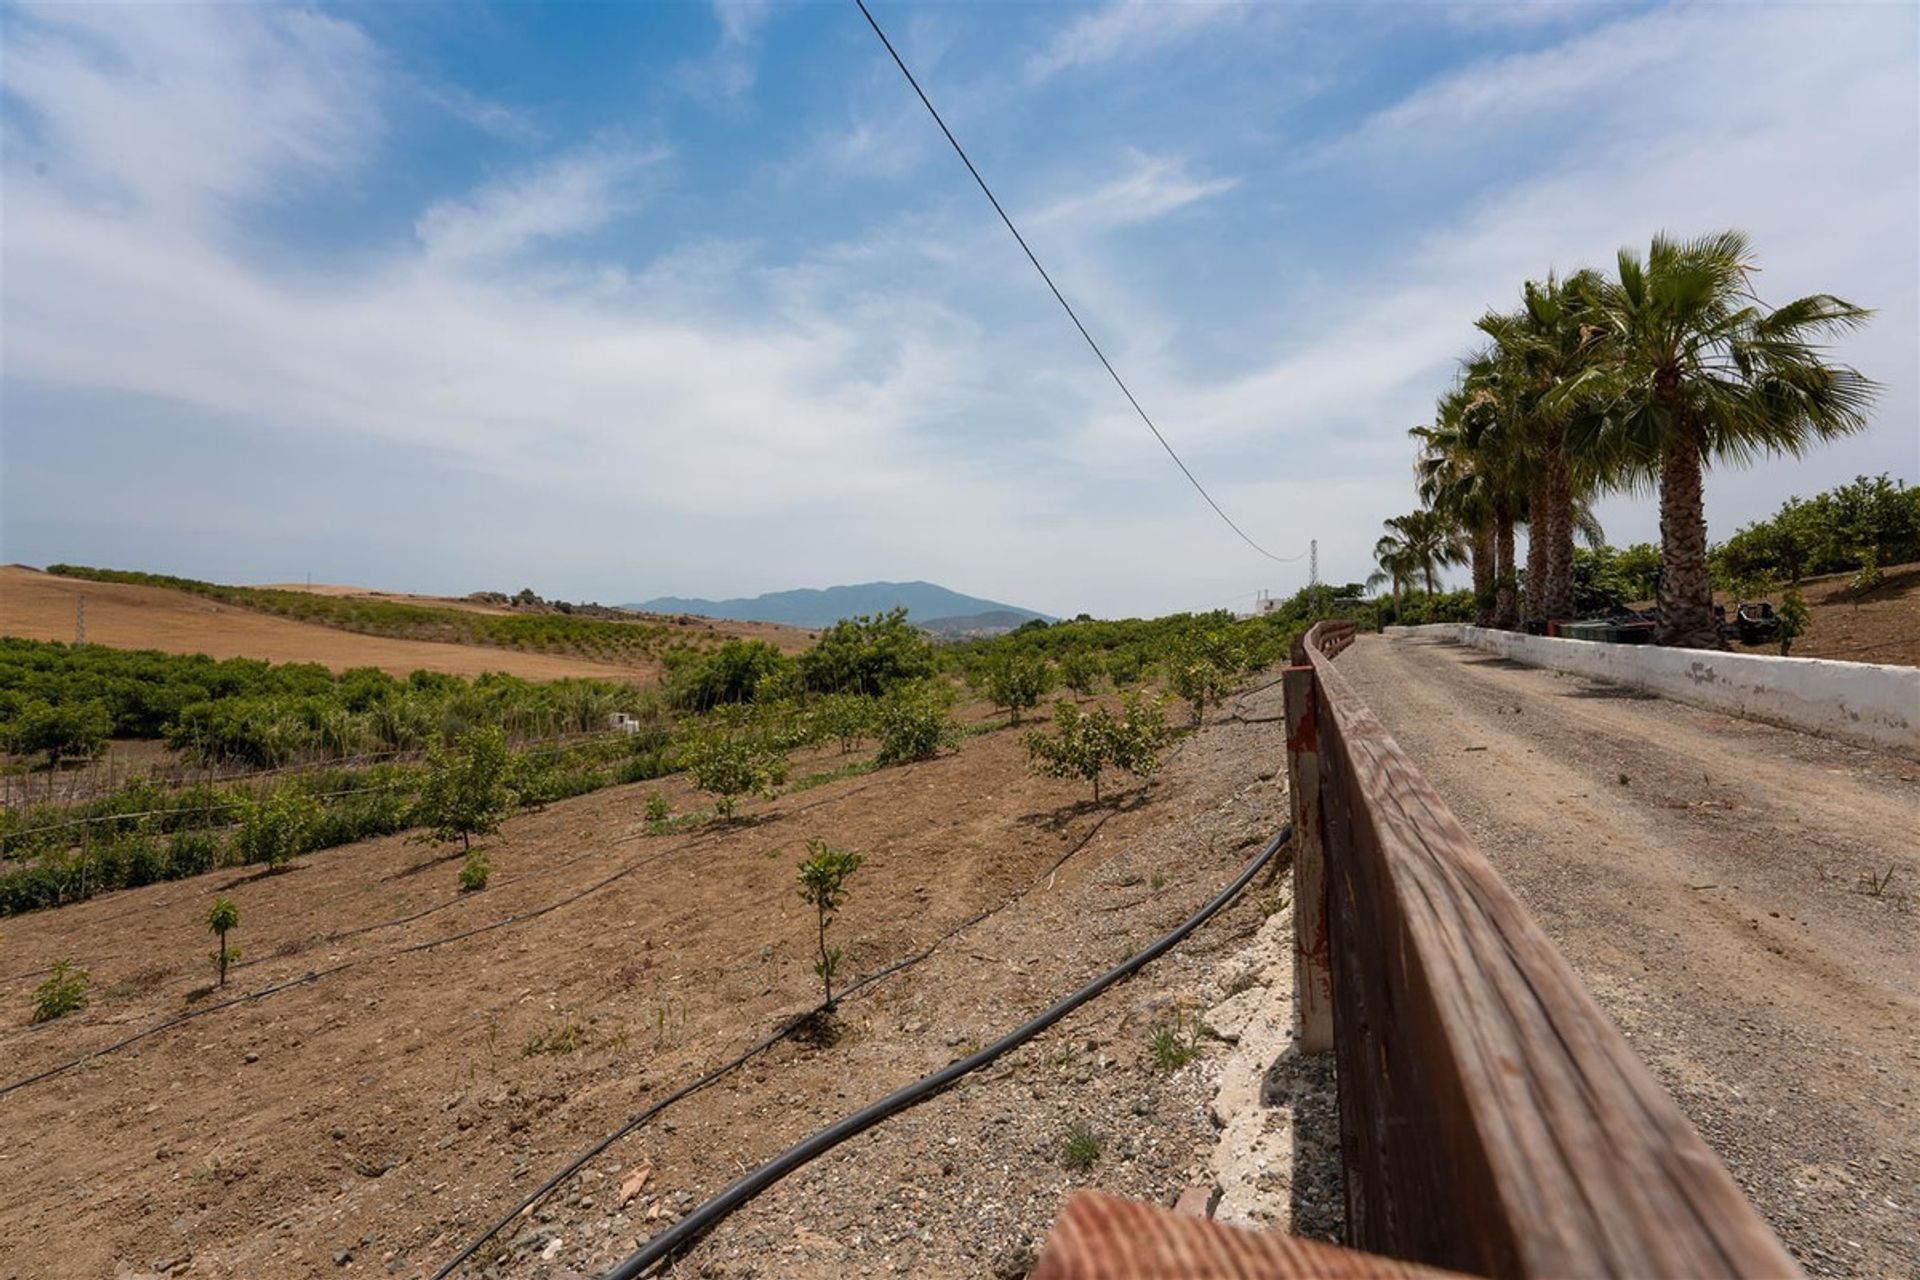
1634,382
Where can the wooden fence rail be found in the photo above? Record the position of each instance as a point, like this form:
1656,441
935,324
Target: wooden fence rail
1492,1119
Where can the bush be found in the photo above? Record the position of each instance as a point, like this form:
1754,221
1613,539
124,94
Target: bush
1080,671
868,655
913,723
727,763
1874,517
1016,682
64,731
845,718
474,871
465,793
658,810
63,992
733,673
192,853
1085,743
1793,618
1201,674
275,831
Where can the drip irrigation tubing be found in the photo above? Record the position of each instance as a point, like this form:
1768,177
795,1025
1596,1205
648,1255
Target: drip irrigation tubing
786,1031
315,975
682,1234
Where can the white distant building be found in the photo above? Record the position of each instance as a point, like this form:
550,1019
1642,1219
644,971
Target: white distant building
621,722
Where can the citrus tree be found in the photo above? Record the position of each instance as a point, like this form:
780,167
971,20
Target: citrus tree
466,793
823,886
224,917
1085,743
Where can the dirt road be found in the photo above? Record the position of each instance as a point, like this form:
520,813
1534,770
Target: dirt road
1706,877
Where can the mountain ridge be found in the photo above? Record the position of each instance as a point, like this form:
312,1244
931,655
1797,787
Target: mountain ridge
823,606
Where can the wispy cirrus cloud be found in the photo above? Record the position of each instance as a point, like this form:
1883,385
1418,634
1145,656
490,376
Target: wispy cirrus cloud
1152,187
1123,29
562,196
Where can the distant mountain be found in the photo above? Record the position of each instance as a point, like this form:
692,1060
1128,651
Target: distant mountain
924,602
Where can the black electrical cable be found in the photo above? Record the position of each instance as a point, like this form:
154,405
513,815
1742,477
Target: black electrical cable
683,1233
1060,297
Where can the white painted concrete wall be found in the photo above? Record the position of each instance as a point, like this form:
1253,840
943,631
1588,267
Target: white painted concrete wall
1866,703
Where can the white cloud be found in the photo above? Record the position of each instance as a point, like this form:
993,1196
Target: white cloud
189,111
1153,187
564,196
1123,29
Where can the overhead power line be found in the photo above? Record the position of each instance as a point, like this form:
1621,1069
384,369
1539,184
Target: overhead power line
961,151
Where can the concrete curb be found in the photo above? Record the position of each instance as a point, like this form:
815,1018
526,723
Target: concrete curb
1865,703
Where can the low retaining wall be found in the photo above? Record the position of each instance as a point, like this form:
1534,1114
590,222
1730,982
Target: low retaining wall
1866,703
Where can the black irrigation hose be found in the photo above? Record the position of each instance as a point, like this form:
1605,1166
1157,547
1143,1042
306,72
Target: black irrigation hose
684,1232
785,1032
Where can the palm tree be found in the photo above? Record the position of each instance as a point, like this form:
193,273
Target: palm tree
1421,542
1450,478
1696,369
1490,426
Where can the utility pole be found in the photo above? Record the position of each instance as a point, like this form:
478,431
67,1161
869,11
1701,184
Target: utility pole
1313,578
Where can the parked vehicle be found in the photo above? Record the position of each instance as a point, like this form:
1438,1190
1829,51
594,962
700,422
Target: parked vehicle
1752,623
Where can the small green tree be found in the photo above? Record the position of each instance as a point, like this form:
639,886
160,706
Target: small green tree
224,917
474,871
727,762
275,831
1794,616
68,730
63,992
1080,671
1017,682
1084,743
844,717
823,886
466,792
1200,679
658,810
913,723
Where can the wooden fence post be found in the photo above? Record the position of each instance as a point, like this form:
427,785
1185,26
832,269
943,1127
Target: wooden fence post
1312,961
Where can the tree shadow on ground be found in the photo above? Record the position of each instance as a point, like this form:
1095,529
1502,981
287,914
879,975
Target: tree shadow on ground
1499,664
1612,693
1058,819
265,873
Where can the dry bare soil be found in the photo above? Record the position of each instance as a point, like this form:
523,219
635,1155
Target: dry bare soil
1707,879
371,1120
1881,625
39,606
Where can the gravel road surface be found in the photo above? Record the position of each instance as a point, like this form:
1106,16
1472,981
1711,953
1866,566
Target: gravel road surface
1721,887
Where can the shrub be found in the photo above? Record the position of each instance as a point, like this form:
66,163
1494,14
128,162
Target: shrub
913,723
727,763
658,810
223,917
474,871
63,992
1016,682
191,853
1085,743
1199,677
1793,618
823,886
275,831
65,730
868,655
735,672
465,793
1080,671
845,718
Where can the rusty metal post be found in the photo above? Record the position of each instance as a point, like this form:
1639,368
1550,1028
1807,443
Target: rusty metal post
1312,961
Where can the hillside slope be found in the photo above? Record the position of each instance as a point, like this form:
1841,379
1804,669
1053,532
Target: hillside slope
824,606
38,606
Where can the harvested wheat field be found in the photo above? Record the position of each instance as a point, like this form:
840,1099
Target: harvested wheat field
449,1051
39,606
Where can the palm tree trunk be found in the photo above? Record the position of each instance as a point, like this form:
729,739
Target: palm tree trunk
1556,579
1427,569
1539,505
1686,584
1506,609
1483,575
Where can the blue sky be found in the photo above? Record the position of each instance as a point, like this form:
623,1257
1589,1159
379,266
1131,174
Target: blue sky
681,298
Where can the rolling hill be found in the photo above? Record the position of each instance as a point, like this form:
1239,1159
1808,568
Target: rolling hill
925,602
